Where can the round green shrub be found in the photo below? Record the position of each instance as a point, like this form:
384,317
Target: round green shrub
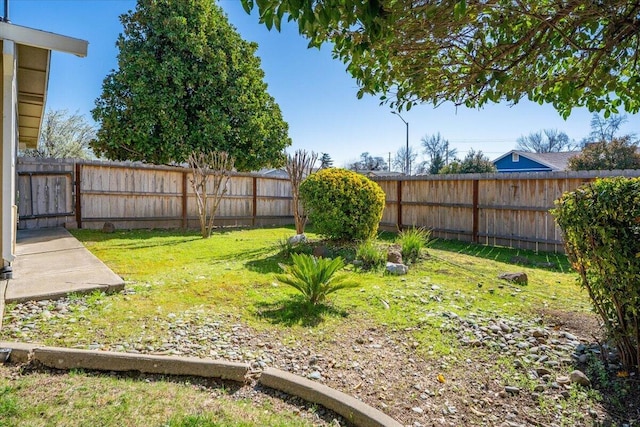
601,226
343,205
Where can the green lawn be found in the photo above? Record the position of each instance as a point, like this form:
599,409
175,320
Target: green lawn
84,399
229,280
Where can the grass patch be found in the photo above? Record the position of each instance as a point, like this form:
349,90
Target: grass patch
81,399
229,279
233,273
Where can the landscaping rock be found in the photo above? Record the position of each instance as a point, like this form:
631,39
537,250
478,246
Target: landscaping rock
394,256
298,238
108,227
578,377
397,269
519,278
512,390
320,251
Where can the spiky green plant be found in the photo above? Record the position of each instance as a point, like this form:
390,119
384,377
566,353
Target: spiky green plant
370,255
412,241
314,277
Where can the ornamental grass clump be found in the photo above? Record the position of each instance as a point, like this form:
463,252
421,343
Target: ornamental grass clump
601,226
370,255
412,241
315,278
342,204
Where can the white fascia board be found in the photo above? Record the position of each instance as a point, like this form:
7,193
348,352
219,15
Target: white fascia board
43,39
8,147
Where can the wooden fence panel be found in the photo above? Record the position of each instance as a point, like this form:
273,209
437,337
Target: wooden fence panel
495,209
128,195
44,193
390,214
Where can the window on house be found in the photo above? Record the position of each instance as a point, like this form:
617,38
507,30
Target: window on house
515,157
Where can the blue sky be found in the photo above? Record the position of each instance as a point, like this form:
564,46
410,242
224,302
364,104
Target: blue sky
316,95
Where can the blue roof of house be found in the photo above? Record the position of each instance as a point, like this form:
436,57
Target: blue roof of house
534,162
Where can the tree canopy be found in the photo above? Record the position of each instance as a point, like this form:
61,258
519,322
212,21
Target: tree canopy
473,162
605,129
187,82
438,151
369,163
64,135
566,53
619,153
545,141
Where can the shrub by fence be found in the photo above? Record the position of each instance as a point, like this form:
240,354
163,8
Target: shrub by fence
494,209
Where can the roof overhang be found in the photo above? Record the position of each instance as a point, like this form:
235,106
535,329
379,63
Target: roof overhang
33,59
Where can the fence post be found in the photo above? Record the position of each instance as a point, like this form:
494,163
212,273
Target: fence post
474,235
78,194
78,186
399,199
254,205
185,199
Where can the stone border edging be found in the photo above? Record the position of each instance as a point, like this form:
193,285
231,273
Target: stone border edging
355,411
349,407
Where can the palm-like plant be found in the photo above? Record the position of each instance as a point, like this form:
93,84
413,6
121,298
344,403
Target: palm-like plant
314,277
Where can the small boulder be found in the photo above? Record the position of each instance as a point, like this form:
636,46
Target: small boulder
108,227
394,256
397,269
298,238
321,251
519,278
578,377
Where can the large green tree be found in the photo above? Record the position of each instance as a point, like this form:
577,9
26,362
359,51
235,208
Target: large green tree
187,82
470,52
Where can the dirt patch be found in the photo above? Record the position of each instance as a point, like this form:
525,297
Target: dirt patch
586,325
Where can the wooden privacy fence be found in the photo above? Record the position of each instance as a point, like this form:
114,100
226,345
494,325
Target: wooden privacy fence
52,193
507,209
495,209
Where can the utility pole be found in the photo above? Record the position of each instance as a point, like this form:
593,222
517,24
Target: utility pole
407,166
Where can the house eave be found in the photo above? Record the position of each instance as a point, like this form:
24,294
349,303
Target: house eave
43,39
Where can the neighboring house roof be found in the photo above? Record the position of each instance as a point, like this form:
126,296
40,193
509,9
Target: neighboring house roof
370,173
545,161
278,172
33,55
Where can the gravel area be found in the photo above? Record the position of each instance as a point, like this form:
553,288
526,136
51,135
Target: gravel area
386,368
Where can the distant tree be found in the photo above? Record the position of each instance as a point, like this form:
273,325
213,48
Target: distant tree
369,163
620,153
64,135
605,129
438,152
325,161
399,161
187,82
473,162
436,164
545,141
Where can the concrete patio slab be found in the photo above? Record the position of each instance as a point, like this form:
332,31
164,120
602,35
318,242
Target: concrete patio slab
50,263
